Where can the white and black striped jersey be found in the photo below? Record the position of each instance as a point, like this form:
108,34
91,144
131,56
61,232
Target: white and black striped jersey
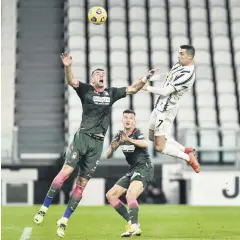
181,78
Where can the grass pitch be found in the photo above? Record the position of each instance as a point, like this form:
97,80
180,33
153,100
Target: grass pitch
158,222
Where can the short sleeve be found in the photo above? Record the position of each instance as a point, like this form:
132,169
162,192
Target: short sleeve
183,80
139,134
82,89
118,93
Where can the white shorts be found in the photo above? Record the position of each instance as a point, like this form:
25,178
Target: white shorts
161,122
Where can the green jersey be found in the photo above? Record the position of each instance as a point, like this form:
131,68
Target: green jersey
97,107
135,156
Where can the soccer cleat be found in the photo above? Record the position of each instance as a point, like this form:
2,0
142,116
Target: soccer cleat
135,230
61,228
132,230
193,162
38,218
189,150
126,233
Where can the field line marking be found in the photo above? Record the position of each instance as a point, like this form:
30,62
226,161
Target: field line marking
27,231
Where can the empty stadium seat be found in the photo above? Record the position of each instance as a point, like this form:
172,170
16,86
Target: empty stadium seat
157,13
159,43
97,43
204,86
178,14
118,58
221,43
156,3
199,28
209,139
138,43
118,43
219,28
76,13
205,100
203,71
218,14
201,43
158,28
214,3
139,57
137,13
137,28
198,14
117,13
225,86
117,29
224,72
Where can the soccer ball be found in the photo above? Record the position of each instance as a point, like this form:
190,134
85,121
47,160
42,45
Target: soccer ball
97,15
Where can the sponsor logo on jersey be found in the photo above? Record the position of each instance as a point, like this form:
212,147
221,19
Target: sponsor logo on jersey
101,100
128,148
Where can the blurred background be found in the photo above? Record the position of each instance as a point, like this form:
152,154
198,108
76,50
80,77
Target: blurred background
40,113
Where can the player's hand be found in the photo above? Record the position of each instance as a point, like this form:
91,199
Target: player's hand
66,59
152,72
124,137
114,144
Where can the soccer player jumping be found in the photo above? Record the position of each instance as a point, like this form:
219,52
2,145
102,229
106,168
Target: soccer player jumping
179,81
140,173
86,147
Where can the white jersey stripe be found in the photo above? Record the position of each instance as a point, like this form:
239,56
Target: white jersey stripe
182,79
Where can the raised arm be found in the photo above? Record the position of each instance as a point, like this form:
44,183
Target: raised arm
136,86
163,91
67,62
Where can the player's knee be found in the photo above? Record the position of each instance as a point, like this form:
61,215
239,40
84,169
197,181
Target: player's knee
60,179
130,195
110,195
78,191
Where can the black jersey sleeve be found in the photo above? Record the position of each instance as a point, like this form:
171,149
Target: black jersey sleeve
82,89
139,134
118,93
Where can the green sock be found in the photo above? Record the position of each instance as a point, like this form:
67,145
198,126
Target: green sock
122,210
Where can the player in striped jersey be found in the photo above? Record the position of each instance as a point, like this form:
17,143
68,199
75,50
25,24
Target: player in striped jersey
179,81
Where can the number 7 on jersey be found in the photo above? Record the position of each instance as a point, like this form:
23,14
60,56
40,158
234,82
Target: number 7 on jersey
160,122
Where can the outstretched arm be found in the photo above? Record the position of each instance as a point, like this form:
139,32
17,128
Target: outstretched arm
163,91
135,87
67,62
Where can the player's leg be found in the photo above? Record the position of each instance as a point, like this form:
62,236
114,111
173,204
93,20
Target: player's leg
90,150
71,160
168,146
115,193
134,191
139,181
72,205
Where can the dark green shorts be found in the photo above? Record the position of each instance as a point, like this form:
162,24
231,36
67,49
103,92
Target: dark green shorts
143,173
84,151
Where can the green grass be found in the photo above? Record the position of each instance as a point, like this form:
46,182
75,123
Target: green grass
102,223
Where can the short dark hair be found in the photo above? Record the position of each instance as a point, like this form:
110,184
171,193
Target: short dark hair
98,69
129,111
190,49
